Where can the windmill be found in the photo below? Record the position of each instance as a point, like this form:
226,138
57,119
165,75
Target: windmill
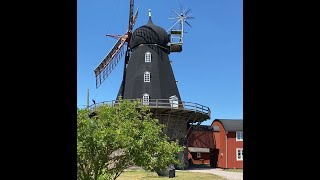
148,75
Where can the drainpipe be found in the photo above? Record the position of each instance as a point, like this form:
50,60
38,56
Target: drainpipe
226,150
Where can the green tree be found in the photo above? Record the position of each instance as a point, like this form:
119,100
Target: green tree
118,137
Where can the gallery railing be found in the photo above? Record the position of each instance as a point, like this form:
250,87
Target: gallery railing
162,103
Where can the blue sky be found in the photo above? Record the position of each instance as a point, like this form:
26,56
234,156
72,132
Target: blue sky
209,70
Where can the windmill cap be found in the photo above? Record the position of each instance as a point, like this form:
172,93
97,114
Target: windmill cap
149,34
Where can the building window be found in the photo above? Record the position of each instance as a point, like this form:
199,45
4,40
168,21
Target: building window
198,155
147,57
146,76
239,152
239,136
145,99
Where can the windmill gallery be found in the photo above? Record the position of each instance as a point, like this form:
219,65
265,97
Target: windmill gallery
148,75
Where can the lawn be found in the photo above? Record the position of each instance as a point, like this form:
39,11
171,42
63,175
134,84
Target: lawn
144,175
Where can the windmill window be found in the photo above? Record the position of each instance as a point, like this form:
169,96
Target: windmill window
145,99
146,76
147,57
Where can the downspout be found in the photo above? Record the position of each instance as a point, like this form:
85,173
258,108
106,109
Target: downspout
226,150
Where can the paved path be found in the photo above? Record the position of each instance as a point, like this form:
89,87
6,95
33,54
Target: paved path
220,172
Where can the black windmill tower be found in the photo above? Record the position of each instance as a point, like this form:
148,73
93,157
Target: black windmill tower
149,73
148,76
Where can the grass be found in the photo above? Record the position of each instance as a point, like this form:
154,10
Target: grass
234,170
180,175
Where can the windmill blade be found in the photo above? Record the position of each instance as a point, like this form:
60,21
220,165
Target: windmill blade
109,62
130,25
189,17
187,23
132,17
189,10
181,9
114,36
175,12
174,18
135,18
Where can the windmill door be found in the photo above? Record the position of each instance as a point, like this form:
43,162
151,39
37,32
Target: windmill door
174,102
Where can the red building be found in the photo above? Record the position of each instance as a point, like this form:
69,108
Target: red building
219,145
228,141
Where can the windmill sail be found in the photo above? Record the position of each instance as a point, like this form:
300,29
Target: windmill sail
109,62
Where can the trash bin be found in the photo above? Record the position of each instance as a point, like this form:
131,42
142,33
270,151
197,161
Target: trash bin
172,171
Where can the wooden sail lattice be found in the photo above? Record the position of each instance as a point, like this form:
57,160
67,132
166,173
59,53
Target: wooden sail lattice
109,62
103,70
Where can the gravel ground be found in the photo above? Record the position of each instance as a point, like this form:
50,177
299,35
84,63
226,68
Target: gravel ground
219,172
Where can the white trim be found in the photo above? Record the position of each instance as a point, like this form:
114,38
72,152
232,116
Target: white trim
198,154
241,155
147,57
241,135
147,76
145,99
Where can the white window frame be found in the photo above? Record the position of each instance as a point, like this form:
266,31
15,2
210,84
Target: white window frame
198,155
241,135
147,57
145,99
241,156
147,76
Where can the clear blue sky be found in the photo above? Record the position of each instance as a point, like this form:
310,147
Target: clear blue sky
209,70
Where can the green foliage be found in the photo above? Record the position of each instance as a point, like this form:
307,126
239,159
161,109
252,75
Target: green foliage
120,136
